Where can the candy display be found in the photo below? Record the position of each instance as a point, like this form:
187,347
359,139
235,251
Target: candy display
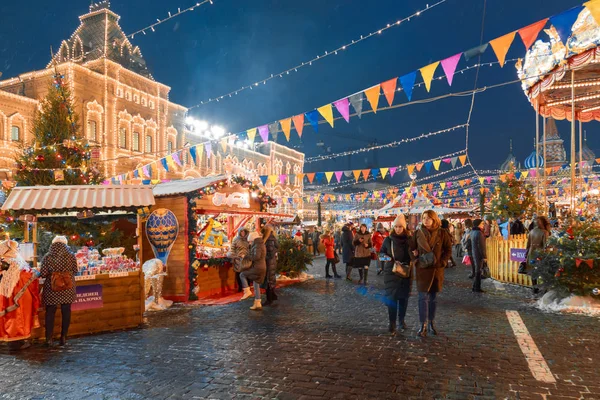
89,261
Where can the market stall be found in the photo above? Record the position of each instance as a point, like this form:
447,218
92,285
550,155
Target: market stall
109,285
207,213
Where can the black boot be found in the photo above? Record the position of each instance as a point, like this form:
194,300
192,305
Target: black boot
327,271
360,276
403,326
392,328
422,331
431,328
348,273
335,274
63,341
273,294
269,298
366,276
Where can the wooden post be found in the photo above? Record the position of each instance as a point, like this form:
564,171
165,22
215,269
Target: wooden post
544,170
142,280
573,160
35,243
537,156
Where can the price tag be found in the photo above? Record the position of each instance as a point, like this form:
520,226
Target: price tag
118,274
85,277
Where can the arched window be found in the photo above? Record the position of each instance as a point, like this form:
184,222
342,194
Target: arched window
92,130
135,145
169,147
123,138
148,144
15,133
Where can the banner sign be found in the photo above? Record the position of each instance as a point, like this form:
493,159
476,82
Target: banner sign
518,255
88,297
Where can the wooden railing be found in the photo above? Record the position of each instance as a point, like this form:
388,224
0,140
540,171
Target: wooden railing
499,260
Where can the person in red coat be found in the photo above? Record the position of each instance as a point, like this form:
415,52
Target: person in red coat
378,237
19,297
329,243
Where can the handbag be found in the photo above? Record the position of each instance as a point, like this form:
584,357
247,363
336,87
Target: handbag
336,258
485,271
523,268
402,270
426,260
61,281
466,260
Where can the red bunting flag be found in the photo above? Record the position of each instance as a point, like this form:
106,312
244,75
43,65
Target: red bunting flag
389,90
299,123
530,33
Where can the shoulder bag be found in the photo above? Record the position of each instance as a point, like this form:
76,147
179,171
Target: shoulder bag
426,260
400,269
61,281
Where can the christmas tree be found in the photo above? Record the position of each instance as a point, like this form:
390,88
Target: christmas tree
512,197
292,257
57,153
570,263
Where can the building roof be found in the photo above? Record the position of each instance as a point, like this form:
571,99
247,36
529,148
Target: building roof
586,153
552,130
185,186
78,197
99,35
511,160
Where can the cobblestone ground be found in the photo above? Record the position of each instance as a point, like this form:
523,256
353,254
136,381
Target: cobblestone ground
324,339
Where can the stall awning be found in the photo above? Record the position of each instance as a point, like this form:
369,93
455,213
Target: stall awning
185,185
81,197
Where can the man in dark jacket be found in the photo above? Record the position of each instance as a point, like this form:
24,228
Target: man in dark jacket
479,254
347,249
517,227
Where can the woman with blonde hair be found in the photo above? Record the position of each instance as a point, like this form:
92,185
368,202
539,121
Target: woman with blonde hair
433,249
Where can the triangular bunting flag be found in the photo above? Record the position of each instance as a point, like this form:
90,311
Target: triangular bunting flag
428,166
356,174
384,172
410,169
282,179
481,179
594,9
462,159
327,112
443,185
310,177
273,179
193,153
300,177
286,127
530,33
251,134
274,130
313,118
343,107
263,179
408,83
475,51
449,66
446,160
208,148
338,175
436,164
389,90
146,171
298,123
366,173
176,158
453,161
357,102
563,22
427,73
393,171
419,166
223,143
263,131
328,175
164,163
373,97
501,45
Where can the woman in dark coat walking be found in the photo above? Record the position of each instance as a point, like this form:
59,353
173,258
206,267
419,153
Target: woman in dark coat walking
396,247
430,240
58,259
347,249
257,271
272,246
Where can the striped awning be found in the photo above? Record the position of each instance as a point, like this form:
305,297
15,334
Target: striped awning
75,198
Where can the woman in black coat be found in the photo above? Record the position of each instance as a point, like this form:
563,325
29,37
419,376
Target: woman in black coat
347,249
396,247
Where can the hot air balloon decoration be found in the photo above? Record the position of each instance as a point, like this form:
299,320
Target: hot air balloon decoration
161,230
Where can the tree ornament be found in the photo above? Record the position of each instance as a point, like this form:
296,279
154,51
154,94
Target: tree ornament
40,158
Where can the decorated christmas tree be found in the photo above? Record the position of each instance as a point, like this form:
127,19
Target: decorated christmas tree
571,264
57,153
292,257
512,196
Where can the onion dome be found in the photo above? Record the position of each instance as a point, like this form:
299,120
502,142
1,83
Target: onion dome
510,162
530,161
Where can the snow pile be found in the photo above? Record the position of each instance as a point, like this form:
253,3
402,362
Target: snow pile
303,276
572,304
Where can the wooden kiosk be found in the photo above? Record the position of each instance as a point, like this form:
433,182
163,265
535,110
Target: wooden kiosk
108,301
209,211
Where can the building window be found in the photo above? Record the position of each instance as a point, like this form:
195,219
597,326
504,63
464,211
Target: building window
148,144
128,96
151,104
143,102
136,141
122,138
119,93
136,98
92,131
15,133
169,147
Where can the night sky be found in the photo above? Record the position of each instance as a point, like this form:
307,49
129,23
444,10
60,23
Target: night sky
219,48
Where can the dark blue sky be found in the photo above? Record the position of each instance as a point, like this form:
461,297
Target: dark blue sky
219,48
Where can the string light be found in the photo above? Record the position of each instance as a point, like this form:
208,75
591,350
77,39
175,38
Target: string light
171,16
318,57
383,146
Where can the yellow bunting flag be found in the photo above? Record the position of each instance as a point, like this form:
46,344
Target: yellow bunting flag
443,185
410,169
251,134
427,74
436,164
481,179
328,175
286,127
524,174
356,173
170,161
224,145
466,191
365,173
389,90
327,112
373,97
273,179
594,9
462,159
384,172
501,46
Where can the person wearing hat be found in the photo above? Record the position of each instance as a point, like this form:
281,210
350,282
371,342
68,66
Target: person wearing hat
257,271
19,297
378,238
479,253
396,247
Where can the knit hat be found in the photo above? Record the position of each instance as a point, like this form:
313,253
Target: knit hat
253,236
60,239
477,222
400,220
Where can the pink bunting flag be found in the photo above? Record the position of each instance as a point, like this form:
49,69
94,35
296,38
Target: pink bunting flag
449,184
393,171
282,178
343,107
449,66
471,191
264,132
208,148
532,173
176,158
146,172
338,175
488,179
447,160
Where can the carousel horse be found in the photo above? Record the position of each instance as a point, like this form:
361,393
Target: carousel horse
154,276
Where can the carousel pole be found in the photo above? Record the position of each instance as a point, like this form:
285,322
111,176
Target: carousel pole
537,157
573,159
580,158
544,169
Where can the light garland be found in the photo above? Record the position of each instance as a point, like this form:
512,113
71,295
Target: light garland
171,16
383,146
318,57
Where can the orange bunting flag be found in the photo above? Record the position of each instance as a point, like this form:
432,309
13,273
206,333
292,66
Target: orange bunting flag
286,127
273,179
384,172
365,173
419,166
300,177
410,169
356,173
461,183
501,46
373,97
462,159
311,177
328,175
427,74
436,164
430,186
251,134
327,112
389,90
299,123
530,33
468,181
